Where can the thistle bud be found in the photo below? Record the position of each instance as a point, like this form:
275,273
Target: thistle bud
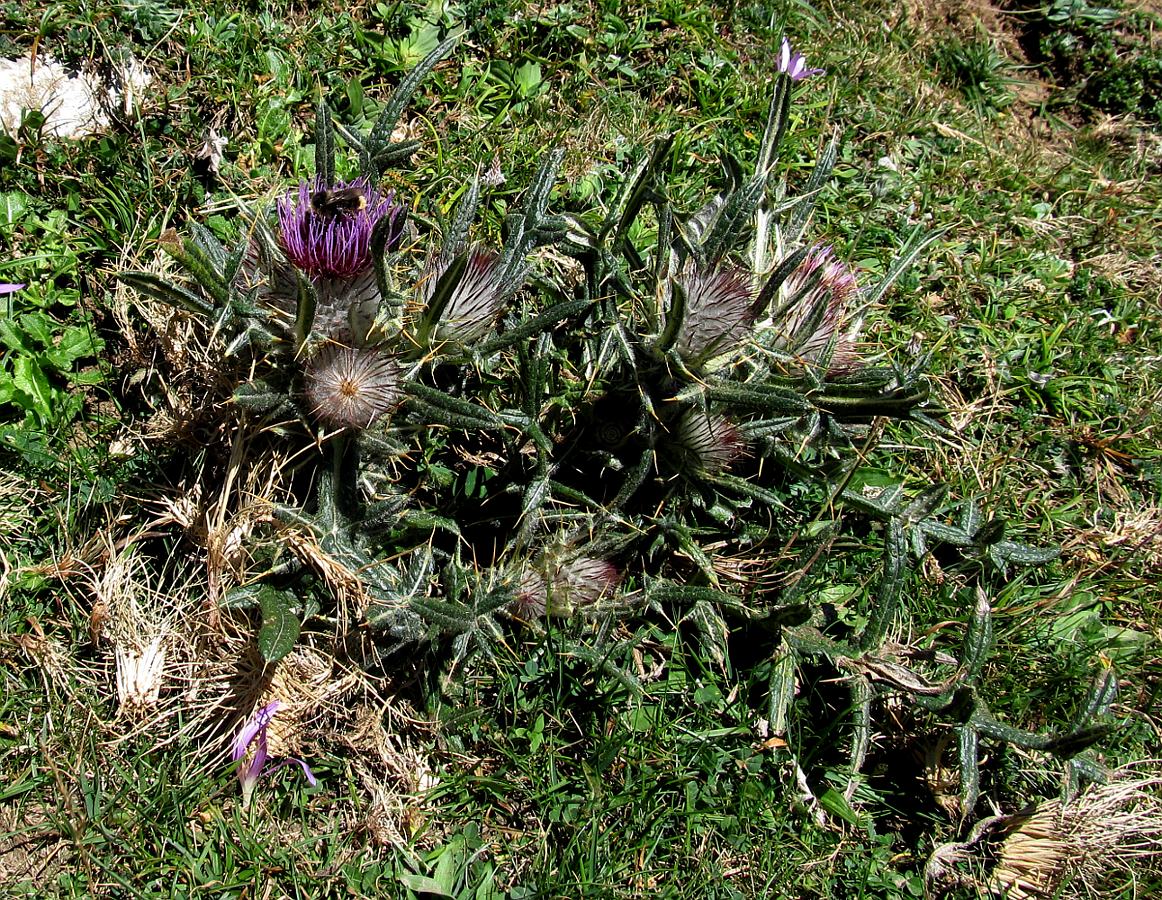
476,300
821,293
580,583
569,587
709,442
717,314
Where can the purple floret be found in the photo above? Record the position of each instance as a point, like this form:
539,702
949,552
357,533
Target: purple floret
333,245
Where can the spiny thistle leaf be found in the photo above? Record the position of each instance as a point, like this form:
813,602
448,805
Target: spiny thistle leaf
887,598
379,140
167,292
968,749
1102,694
801,214
636,191
324,144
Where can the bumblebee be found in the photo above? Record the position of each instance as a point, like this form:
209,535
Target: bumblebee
342,202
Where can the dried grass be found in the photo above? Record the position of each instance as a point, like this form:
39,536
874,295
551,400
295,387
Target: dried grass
1107,831
1061,849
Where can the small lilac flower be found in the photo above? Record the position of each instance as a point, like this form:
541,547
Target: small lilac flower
349,387
9,288
326,240
820,295
250,770
794,64
476,301
717,315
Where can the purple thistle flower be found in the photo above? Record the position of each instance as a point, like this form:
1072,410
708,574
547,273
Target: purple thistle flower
253,734
350,387
325,239
718,312
476,300
820,294
794,64
9,288
711,442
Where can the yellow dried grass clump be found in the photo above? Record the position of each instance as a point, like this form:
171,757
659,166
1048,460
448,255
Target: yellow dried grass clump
1073,847
1057,849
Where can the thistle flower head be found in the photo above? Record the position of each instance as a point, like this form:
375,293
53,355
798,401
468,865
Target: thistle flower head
250,752
794,64
564,589
349,387
709,441
476,300
580,583
820,294
717,314
531,597
325,230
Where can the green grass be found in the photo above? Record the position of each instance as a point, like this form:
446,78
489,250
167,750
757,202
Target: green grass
555,778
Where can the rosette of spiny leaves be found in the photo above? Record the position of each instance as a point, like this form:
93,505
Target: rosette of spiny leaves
501,447
312,297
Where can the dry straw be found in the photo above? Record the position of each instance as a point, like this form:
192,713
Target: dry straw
1108,835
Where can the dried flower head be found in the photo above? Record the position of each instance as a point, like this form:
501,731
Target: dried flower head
717,314
325,230
820,295
1059,849
350,387
710,442
476,299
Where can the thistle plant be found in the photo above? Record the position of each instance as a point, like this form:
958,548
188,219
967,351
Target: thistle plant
491,447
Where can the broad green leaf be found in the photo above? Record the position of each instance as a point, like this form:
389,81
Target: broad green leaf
28,377
280,627
836,804
422,884
13,338
39,327
12,207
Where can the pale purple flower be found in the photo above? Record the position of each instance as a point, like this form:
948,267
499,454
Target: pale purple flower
326,238
250,752
350,387
9,288
717,315
794,64
821,293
